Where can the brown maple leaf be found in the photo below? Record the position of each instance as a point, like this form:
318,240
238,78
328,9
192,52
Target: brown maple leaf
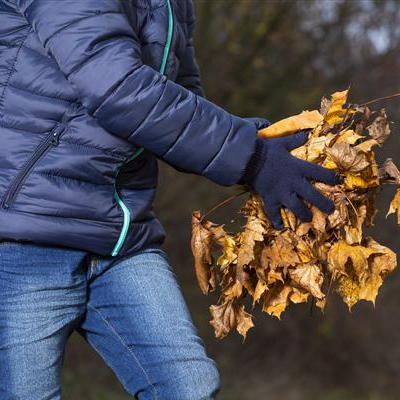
230,315
206,238
379,129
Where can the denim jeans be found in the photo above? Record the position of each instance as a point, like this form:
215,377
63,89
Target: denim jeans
130,310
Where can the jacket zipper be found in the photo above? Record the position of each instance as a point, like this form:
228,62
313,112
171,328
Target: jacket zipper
127,215
52,139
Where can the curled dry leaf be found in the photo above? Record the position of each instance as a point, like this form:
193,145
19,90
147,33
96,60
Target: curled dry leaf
343,256
276,299
388,172
314,149
348,136
395,206
280,254
230,315
379,129
287,126
330,254
336,111
346,158
310,278
206,238
377,261
252,233
353,228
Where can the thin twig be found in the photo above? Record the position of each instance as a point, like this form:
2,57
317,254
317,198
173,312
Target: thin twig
222,203
340,190
380,99
329,291
344,119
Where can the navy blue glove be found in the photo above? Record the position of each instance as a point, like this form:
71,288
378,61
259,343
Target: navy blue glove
281,179
260,123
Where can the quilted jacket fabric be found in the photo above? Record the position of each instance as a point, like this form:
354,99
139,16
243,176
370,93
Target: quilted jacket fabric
81,91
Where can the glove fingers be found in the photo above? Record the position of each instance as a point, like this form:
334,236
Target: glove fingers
294,204
314,171
274,213
295,140
313,196
260,123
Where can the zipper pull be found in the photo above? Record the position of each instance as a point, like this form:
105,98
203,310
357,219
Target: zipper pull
55,138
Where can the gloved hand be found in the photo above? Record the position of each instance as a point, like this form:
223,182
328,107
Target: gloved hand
281,179
260,123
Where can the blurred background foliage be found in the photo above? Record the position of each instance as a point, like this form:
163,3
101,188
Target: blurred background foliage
273,59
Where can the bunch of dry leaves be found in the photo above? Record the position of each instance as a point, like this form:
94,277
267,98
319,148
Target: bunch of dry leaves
305,260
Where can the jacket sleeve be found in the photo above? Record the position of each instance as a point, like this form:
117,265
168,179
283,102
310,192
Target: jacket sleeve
99,52
189,73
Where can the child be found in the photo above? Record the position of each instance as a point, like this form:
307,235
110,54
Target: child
92,93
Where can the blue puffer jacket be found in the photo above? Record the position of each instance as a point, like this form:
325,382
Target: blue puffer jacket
92,92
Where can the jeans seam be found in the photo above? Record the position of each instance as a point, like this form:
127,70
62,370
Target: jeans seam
113,330
95,263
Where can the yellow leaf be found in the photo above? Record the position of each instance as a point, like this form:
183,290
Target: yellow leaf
277,299
303,228
244,322
359,182
395,206
329,164
254,207
383,260
313,149
365,286
280,253
355,182
297,296
229,255
310,278
349,289
367,145
261,287
348,136
304,252
369,290
318,222
341,252
354,228
234,291
253,233
287,126
336,111
274,276
288,218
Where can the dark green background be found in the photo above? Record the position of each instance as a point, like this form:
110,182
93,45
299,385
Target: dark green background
273,59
